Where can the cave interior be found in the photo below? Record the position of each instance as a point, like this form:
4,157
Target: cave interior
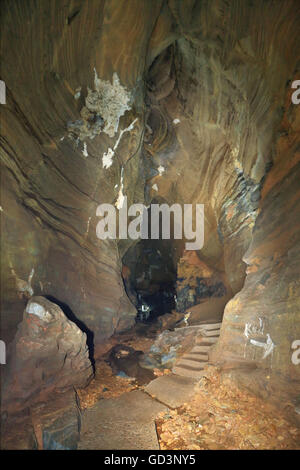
154,103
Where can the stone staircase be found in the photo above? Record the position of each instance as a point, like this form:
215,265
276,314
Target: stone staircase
192,363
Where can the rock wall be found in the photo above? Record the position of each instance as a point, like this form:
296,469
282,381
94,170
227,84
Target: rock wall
261,322
180,103
74,83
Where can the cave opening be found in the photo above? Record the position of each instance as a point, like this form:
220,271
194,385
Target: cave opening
150,273
161,277
150,278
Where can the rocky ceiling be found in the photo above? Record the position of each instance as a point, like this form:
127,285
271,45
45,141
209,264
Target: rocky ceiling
184,101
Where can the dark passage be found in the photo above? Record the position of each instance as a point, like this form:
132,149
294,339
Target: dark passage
150,306
150,278
71,316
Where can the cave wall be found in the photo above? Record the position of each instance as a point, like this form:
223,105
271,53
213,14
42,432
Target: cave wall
206,84
262,321
218,104
52,182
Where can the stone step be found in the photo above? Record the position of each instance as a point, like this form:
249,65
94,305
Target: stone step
201,341
172,390
204,326
210,332
190,327
211,326
200,349
197,357
187,372
190,364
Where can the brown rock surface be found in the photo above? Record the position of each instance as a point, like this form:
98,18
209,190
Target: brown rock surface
262,321
166,101
49,354
197,282
51,425
51,189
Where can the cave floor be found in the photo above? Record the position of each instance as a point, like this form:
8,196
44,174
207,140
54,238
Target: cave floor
221,415
106,384
177,413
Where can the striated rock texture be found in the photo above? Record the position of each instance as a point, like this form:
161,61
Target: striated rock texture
74,83
49,354
166,101
262,321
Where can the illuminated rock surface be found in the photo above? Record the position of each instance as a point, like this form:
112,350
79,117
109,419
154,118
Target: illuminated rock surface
49,354
184,102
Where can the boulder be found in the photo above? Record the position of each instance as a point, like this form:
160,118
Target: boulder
49,354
